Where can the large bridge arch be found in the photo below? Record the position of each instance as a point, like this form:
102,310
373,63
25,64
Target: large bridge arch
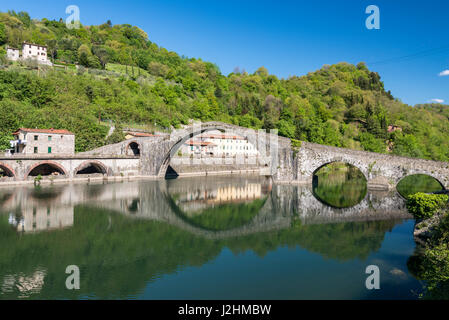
97,166
46,165
401,177
8,170
180,137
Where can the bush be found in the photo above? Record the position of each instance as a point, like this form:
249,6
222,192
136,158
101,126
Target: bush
424,206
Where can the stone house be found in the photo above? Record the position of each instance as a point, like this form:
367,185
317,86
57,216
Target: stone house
35,52
43,141
30,51
12,54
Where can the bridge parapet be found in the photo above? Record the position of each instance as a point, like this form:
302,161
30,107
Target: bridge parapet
378,168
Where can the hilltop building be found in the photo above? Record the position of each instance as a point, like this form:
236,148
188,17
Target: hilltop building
13,54
30,51
43,141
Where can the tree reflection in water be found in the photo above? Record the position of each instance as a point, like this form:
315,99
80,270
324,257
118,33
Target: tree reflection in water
339,185
418,183
120,253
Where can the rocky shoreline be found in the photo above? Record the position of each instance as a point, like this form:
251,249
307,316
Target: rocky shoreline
425,229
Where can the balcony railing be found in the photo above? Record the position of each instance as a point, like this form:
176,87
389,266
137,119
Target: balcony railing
14,143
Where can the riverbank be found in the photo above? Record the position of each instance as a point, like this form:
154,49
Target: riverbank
105,178
431,260
426,229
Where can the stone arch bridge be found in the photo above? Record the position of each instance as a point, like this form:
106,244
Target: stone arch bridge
150,157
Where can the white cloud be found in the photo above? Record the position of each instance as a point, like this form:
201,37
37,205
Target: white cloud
437,100
444,73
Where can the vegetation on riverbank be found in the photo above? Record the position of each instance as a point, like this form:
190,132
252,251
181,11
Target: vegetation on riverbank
431,260
424,206
124,77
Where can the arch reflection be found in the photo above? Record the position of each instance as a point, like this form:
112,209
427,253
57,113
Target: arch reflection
221,206
339,185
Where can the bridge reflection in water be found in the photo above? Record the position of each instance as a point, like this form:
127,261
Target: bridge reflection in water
157,227
41,208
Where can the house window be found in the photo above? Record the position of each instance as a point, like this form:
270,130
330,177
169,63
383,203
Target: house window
49,138
35,149
49,149
35,138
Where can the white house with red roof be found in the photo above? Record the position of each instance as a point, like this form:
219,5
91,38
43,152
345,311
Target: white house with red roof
43,141
219,144
198,147
230,144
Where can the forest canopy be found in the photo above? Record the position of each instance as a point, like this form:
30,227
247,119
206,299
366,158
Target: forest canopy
123,77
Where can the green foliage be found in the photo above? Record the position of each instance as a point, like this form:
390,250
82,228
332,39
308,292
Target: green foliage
2,34
117,135
341,105
296,143
431,263
424,206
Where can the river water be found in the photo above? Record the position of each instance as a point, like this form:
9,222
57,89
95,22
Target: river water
204,238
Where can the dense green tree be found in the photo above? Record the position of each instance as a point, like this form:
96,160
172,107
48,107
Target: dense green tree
2,34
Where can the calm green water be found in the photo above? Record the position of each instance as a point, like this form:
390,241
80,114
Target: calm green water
204,238
418,183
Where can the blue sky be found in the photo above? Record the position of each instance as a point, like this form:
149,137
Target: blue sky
288,37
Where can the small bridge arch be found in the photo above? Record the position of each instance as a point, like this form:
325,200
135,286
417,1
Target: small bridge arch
45,168
91,167
418,172
179,138
133,148
7,170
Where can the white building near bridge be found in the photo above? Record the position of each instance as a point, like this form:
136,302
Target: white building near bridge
219,145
